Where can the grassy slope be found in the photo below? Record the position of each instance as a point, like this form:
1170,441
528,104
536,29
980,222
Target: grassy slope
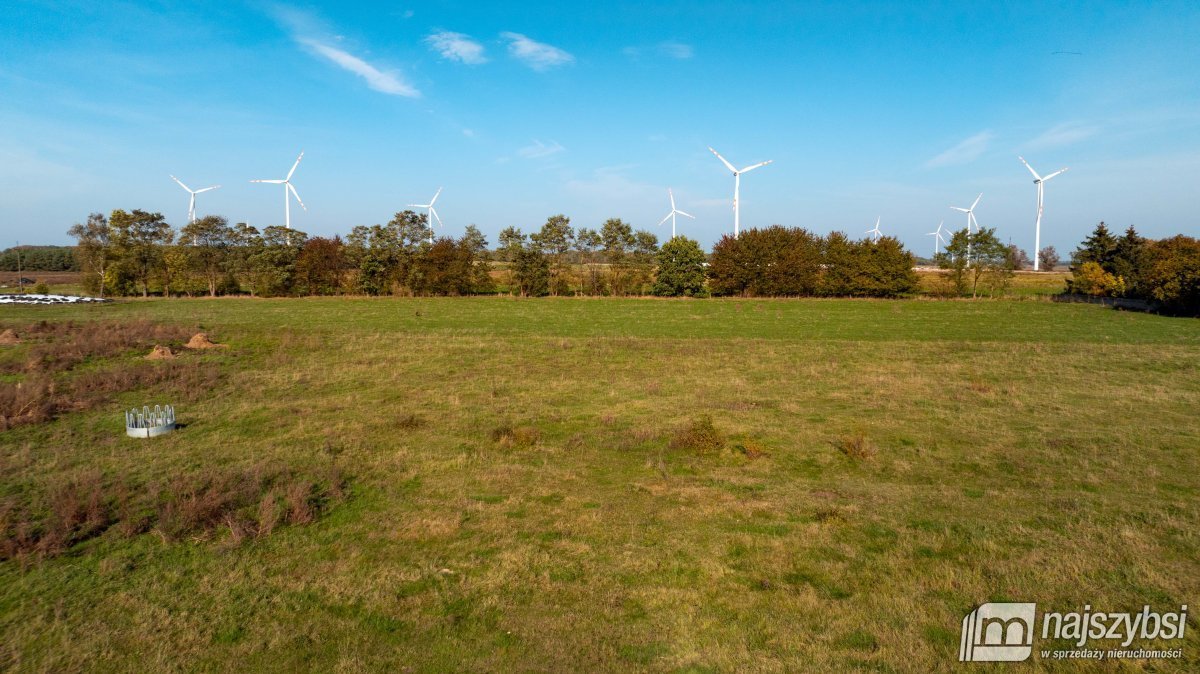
1025,451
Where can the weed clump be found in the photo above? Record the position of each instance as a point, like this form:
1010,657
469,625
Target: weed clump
409,422
856,446
509,437
700,435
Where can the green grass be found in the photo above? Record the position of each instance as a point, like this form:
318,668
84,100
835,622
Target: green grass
517,502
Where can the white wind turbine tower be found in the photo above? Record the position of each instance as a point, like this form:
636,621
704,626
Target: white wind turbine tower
938,240
674,212
737,181
971,221
287,185
875,233
1037,232
432,213
192,202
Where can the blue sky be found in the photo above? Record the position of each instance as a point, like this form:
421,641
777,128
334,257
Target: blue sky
524,110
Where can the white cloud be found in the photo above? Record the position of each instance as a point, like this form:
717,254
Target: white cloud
676,50
536,55
1063,134
963,153
540,150
457,47
388,83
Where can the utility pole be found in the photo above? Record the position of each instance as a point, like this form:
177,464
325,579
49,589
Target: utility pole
20,276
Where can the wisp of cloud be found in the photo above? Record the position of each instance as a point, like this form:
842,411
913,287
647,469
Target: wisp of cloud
536,55
388,83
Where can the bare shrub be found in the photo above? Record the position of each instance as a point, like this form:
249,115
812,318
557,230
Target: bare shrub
269,512
299,497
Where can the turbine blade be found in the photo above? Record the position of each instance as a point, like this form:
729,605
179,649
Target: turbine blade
751,168
296,194
289,175
417,206
206,189
672,195
686,215
976,201
435,196
1035,175
964,210
436,216
660,222
726,163
1062,170
273,182
181,183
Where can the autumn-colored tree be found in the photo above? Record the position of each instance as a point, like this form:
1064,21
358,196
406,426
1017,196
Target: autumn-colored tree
321,266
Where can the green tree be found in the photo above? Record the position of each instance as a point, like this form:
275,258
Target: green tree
531,271
587,242
210,239
476,243
954,259
1129,260
93,250
618,240
510,242
138,238
1100,247
680,269
246,243
274,265
886,268
555,240
991,267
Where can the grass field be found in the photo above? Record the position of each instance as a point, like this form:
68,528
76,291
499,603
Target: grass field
533,485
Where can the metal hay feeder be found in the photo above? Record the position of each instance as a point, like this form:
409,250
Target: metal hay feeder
147,423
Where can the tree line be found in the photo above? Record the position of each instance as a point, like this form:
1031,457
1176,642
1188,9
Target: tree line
38,258
1164,272
138,253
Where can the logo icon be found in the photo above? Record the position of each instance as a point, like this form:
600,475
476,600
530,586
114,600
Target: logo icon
998,633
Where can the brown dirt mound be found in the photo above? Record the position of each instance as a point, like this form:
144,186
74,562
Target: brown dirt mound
160,353
9,338
200,341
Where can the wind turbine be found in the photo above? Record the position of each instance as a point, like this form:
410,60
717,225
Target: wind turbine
938,240
970,221
192,202
875,233
432,213
287,185
1037,232
674,212
737,181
